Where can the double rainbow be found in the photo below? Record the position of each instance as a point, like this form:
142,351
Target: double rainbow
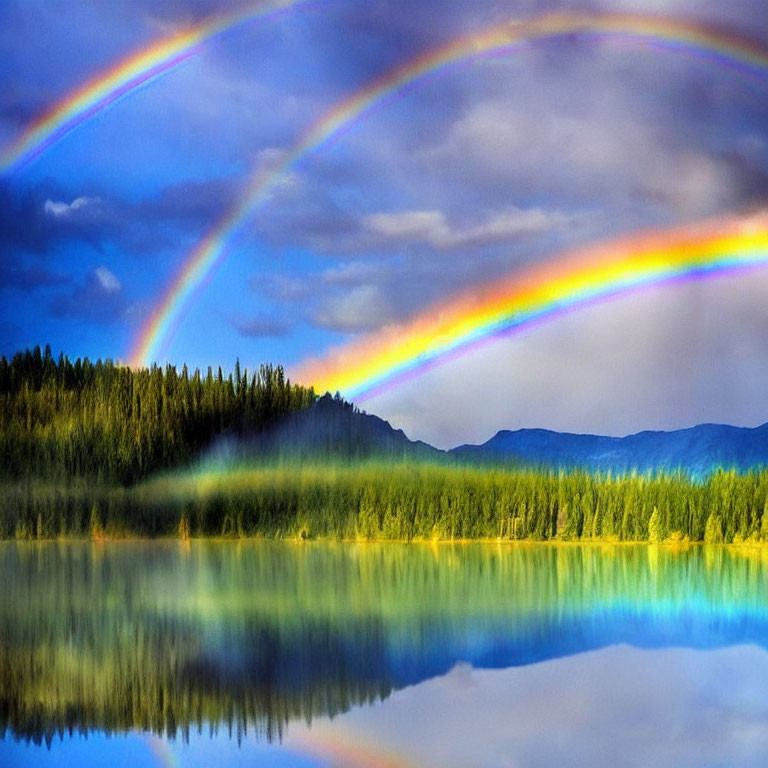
723,48
454,327
125,77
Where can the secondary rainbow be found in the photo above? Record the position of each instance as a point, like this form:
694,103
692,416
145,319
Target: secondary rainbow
454,327
123,78
724,48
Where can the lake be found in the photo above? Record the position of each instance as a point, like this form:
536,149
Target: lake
234,653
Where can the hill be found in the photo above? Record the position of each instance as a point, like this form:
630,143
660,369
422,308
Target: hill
330,428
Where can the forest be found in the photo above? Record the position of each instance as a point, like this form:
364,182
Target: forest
402,501
106,422
99,450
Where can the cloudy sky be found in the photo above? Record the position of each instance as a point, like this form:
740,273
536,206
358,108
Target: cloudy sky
464,177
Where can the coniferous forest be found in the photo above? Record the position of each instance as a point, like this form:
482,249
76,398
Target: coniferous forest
61,420
100,450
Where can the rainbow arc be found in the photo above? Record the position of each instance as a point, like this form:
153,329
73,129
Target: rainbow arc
460,324
125,77
715,46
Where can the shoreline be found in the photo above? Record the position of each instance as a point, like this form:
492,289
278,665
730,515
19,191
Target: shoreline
671,545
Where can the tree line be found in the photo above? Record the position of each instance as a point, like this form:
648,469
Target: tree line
79,440
105,421
407,500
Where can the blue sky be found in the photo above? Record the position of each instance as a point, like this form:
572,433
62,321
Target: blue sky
466,177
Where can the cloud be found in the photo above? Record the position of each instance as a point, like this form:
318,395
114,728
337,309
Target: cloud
640,146
61,210
37,219
15,274
107,281
525,152
189,202
363,308
355,273
261,326
434,228
98,298
282,287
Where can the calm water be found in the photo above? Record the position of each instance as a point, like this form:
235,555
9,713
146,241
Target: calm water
165,654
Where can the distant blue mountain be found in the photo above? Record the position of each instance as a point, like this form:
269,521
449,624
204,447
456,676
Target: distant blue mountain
697,450
334,429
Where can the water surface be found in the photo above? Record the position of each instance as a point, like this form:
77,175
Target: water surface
260,653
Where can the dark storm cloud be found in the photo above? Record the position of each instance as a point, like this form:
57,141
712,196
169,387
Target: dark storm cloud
37,219
750,180
99,299
23,223
15,275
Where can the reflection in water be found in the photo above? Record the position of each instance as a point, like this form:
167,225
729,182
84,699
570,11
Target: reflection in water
244,637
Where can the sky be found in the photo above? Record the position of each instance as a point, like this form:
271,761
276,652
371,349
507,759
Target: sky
460,179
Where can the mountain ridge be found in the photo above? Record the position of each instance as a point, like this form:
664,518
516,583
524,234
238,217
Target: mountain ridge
333,428
698,449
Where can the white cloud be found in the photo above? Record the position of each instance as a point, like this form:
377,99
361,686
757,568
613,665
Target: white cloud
434,228
61,210
563,139
107,280
363,308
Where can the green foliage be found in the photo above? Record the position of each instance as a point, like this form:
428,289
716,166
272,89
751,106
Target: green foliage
391,500
77,440
713,533
106,422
